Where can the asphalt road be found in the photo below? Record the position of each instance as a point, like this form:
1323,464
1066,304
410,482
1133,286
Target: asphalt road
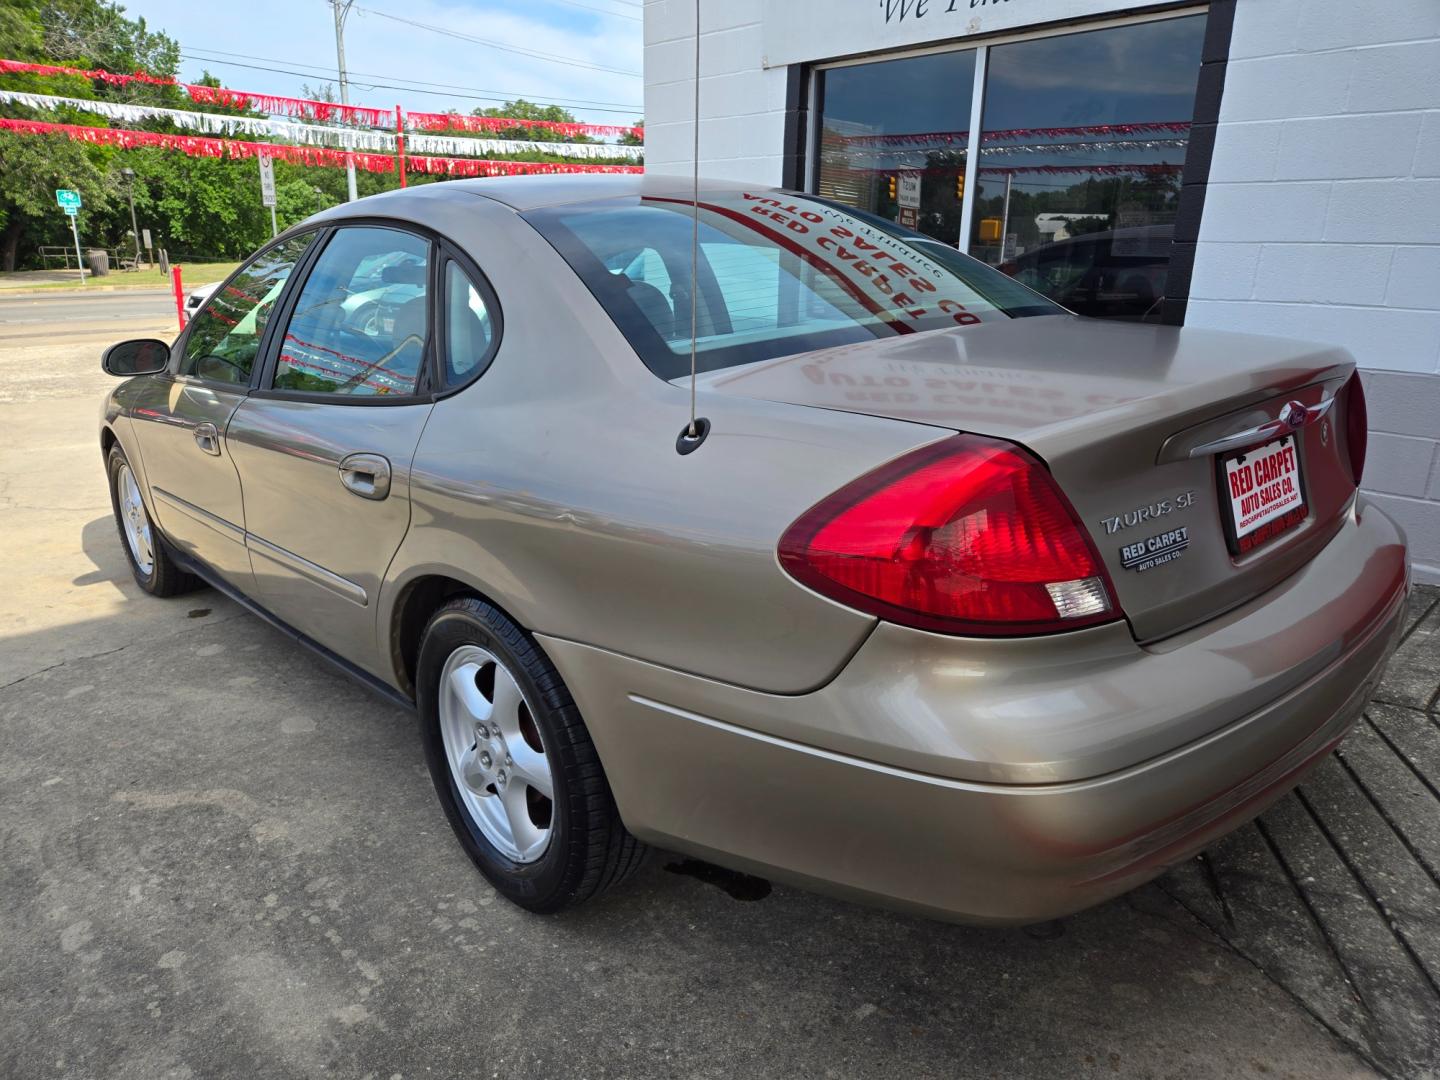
75,314
220,859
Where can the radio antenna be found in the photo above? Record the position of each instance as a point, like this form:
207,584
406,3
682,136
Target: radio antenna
695,431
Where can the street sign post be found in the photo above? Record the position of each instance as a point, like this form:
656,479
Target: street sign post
910,190
69,201
267,190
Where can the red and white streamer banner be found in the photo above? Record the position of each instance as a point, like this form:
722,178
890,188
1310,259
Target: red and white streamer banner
341,138
202,146
422,121
1068,170
17,67
945,138
322,156
326,112
446,166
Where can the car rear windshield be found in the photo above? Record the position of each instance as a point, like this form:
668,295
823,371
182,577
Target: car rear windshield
778,274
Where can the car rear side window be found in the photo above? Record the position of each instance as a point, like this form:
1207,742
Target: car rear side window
470,325
776,274
224,337
362,319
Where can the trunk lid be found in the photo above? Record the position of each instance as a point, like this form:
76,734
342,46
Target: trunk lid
1114,410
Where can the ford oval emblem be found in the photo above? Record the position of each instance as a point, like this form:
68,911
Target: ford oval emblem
1294,415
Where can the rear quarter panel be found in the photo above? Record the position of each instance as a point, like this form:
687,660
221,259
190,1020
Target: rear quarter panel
553,486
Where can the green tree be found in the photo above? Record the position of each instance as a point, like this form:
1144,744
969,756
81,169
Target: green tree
520,109
31,169
97,34
634,140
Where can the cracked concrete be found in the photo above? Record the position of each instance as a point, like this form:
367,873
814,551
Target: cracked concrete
222,859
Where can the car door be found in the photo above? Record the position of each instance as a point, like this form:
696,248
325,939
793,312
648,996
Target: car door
180,419
324,444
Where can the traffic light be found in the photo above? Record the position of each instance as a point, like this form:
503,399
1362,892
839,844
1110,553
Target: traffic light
960,186
894,184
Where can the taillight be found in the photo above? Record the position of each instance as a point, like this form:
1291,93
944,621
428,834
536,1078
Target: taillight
1357,426
966,536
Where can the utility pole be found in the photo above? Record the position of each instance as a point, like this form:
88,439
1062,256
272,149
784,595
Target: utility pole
342,8
129,175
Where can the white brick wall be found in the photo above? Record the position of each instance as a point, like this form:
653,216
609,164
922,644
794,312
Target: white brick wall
742,106
1322,217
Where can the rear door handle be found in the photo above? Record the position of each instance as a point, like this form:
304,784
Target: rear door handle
366,475
207,437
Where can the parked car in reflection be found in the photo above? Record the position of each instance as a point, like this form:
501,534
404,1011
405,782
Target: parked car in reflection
196,297
947,598
1116,274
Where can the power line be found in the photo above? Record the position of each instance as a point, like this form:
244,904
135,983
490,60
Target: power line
603,11
466,93
203,53
553,58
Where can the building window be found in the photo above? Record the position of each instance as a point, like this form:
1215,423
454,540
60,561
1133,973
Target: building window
893,125
1081,153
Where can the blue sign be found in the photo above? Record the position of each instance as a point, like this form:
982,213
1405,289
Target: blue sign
67,200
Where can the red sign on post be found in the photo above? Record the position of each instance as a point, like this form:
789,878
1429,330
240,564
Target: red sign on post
179,295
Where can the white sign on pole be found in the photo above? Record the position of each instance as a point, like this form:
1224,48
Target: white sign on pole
267,181
909,191
145,233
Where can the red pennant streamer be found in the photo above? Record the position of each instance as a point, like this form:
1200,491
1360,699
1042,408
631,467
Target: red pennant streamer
455,122
931,138
449,166
323,111
14,67
321,156
278,105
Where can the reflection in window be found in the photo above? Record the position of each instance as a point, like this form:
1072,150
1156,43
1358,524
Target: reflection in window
225,336
469,329
1080,162
362,318
775,275
893,119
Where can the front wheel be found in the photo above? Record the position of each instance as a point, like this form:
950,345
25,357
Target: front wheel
150,563
513,764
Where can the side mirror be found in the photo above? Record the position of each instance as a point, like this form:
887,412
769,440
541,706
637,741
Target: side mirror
143,356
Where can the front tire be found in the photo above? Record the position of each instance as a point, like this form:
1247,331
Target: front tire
150,563
513,763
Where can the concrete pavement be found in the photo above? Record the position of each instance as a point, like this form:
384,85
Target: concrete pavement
222,859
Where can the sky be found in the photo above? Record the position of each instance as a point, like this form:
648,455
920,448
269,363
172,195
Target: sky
299,37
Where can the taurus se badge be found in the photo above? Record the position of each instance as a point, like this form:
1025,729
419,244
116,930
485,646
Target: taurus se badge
1149,512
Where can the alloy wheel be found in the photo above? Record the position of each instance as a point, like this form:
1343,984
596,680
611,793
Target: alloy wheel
496,757
135,521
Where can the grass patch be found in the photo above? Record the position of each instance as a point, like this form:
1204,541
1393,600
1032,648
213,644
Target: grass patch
191,274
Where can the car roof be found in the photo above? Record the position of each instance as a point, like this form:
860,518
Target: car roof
534,191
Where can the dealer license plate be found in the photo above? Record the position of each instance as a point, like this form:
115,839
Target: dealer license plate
1266,498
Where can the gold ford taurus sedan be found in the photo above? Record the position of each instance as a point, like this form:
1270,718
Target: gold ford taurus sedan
950,600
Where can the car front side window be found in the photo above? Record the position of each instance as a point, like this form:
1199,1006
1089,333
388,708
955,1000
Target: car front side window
225,335
362,319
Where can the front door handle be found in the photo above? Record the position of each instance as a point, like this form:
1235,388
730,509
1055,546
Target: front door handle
366,475
207,437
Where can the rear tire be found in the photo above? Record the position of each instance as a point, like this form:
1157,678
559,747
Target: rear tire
150,563
499,729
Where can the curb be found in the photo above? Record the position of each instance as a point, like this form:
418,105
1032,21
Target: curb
85,290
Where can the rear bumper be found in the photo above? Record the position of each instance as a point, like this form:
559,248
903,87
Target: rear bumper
758,781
